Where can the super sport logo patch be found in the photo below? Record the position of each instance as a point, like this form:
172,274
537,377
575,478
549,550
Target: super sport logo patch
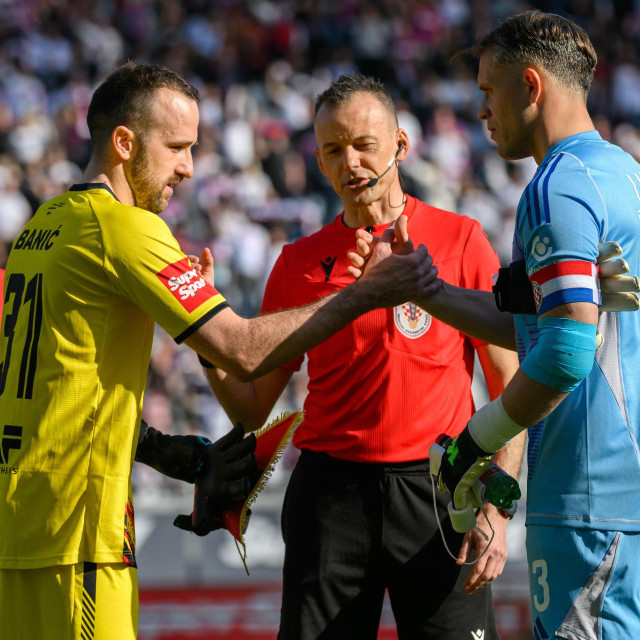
188,287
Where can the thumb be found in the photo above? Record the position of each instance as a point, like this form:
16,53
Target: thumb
206,258
404,244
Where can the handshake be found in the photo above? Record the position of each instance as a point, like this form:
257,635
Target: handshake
224,471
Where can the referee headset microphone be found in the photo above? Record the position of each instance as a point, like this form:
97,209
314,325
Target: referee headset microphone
374,181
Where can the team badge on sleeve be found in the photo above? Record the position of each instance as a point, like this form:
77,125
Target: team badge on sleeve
411,320
188,287
564,282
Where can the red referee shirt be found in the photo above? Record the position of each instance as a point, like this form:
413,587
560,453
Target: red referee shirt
385,386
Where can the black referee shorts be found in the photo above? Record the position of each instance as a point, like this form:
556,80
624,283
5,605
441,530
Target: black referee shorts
351,531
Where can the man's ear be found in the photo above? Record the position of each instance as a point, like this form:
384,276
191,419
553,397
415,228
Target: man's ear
403,141
123,141
533,80
320,165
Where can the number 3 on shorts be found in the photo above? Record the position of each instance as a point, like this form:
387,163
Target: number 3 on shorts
539,572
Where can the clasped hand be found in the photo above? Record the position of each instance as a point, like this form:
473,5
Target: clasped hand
400,272
227,471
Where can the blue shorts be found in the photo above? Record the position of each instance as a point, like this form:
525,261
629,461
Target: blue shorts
584,584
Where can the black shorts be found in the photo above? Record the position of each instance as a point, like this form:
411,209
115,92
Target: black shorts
352,530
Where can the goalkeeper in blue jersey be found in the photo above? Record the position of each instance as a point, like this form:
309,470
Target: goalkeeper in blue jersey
580,404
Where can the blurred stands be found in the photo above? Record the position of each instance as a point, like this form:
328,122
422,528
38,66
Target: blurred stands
259,66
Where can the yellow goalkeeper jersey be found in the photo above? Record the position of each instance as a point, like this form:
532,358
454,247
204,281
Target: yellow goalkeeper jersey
85,280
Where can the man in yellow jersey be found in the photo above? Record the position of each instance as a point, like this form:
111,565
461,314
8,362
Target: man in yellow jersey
85,281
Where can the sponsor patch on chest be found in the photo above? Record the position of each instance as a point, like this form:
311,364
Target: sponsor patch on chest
188,287
411,320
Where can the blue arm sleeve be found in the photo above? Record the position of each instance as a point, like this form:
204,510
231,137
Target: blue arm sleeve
563,355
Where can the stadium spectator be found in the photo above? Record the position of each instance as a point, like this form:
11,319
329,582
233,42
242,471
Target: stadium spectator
358,516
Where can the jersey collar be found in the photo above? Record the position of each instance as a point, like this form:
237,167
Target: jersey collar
565,142
87,186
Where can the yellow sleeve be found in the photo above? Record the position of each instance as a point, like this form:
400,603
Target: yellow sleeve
146,264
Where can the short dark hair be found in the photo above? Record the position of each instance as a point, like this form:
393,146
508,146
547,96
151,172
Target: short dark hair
126,97
555,43
343,89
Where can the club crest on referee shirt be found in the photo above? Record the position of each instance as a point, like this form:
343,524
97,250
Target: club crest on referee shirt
411,320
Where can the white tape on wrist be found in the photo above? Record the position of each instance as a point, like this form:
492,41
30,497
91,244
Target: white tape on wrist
491,427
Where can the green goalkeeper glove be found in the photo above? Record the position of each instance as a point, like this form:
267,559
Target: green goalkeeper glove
463,462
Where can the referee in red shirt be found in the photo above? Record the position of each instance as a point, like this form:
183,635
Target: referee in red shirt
358,515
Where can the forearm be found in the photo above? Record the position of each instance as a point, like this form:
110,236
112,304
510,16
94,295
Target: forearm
510,456
527,401
238,399
250,348
249,403
499,366
473,312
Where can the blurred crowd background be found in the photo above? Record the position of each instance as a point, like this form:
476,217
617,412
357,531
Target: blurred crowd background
259,65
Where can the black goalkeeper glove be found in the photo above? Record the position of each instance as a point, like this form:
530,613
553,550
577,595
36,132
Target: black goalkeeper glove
463,462
227,471
173,456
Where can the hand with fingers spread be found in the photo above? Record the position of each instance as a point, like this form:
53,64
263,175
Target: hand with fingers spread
227,471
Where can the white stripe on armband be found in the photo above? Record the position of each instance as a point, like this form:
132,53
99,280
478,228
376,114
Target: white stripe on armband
491,428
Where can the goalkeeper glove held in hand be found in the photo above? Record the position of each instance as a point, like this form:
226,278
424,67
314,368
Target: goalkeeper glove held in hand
463,462
227,471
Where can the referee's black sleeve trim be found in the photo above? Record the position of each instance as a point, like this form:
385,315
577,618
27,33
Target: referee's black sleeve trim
198,323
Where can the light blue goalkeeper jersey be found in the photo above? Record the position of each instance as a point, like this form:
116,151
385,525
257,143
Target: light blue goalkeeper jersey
584,459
